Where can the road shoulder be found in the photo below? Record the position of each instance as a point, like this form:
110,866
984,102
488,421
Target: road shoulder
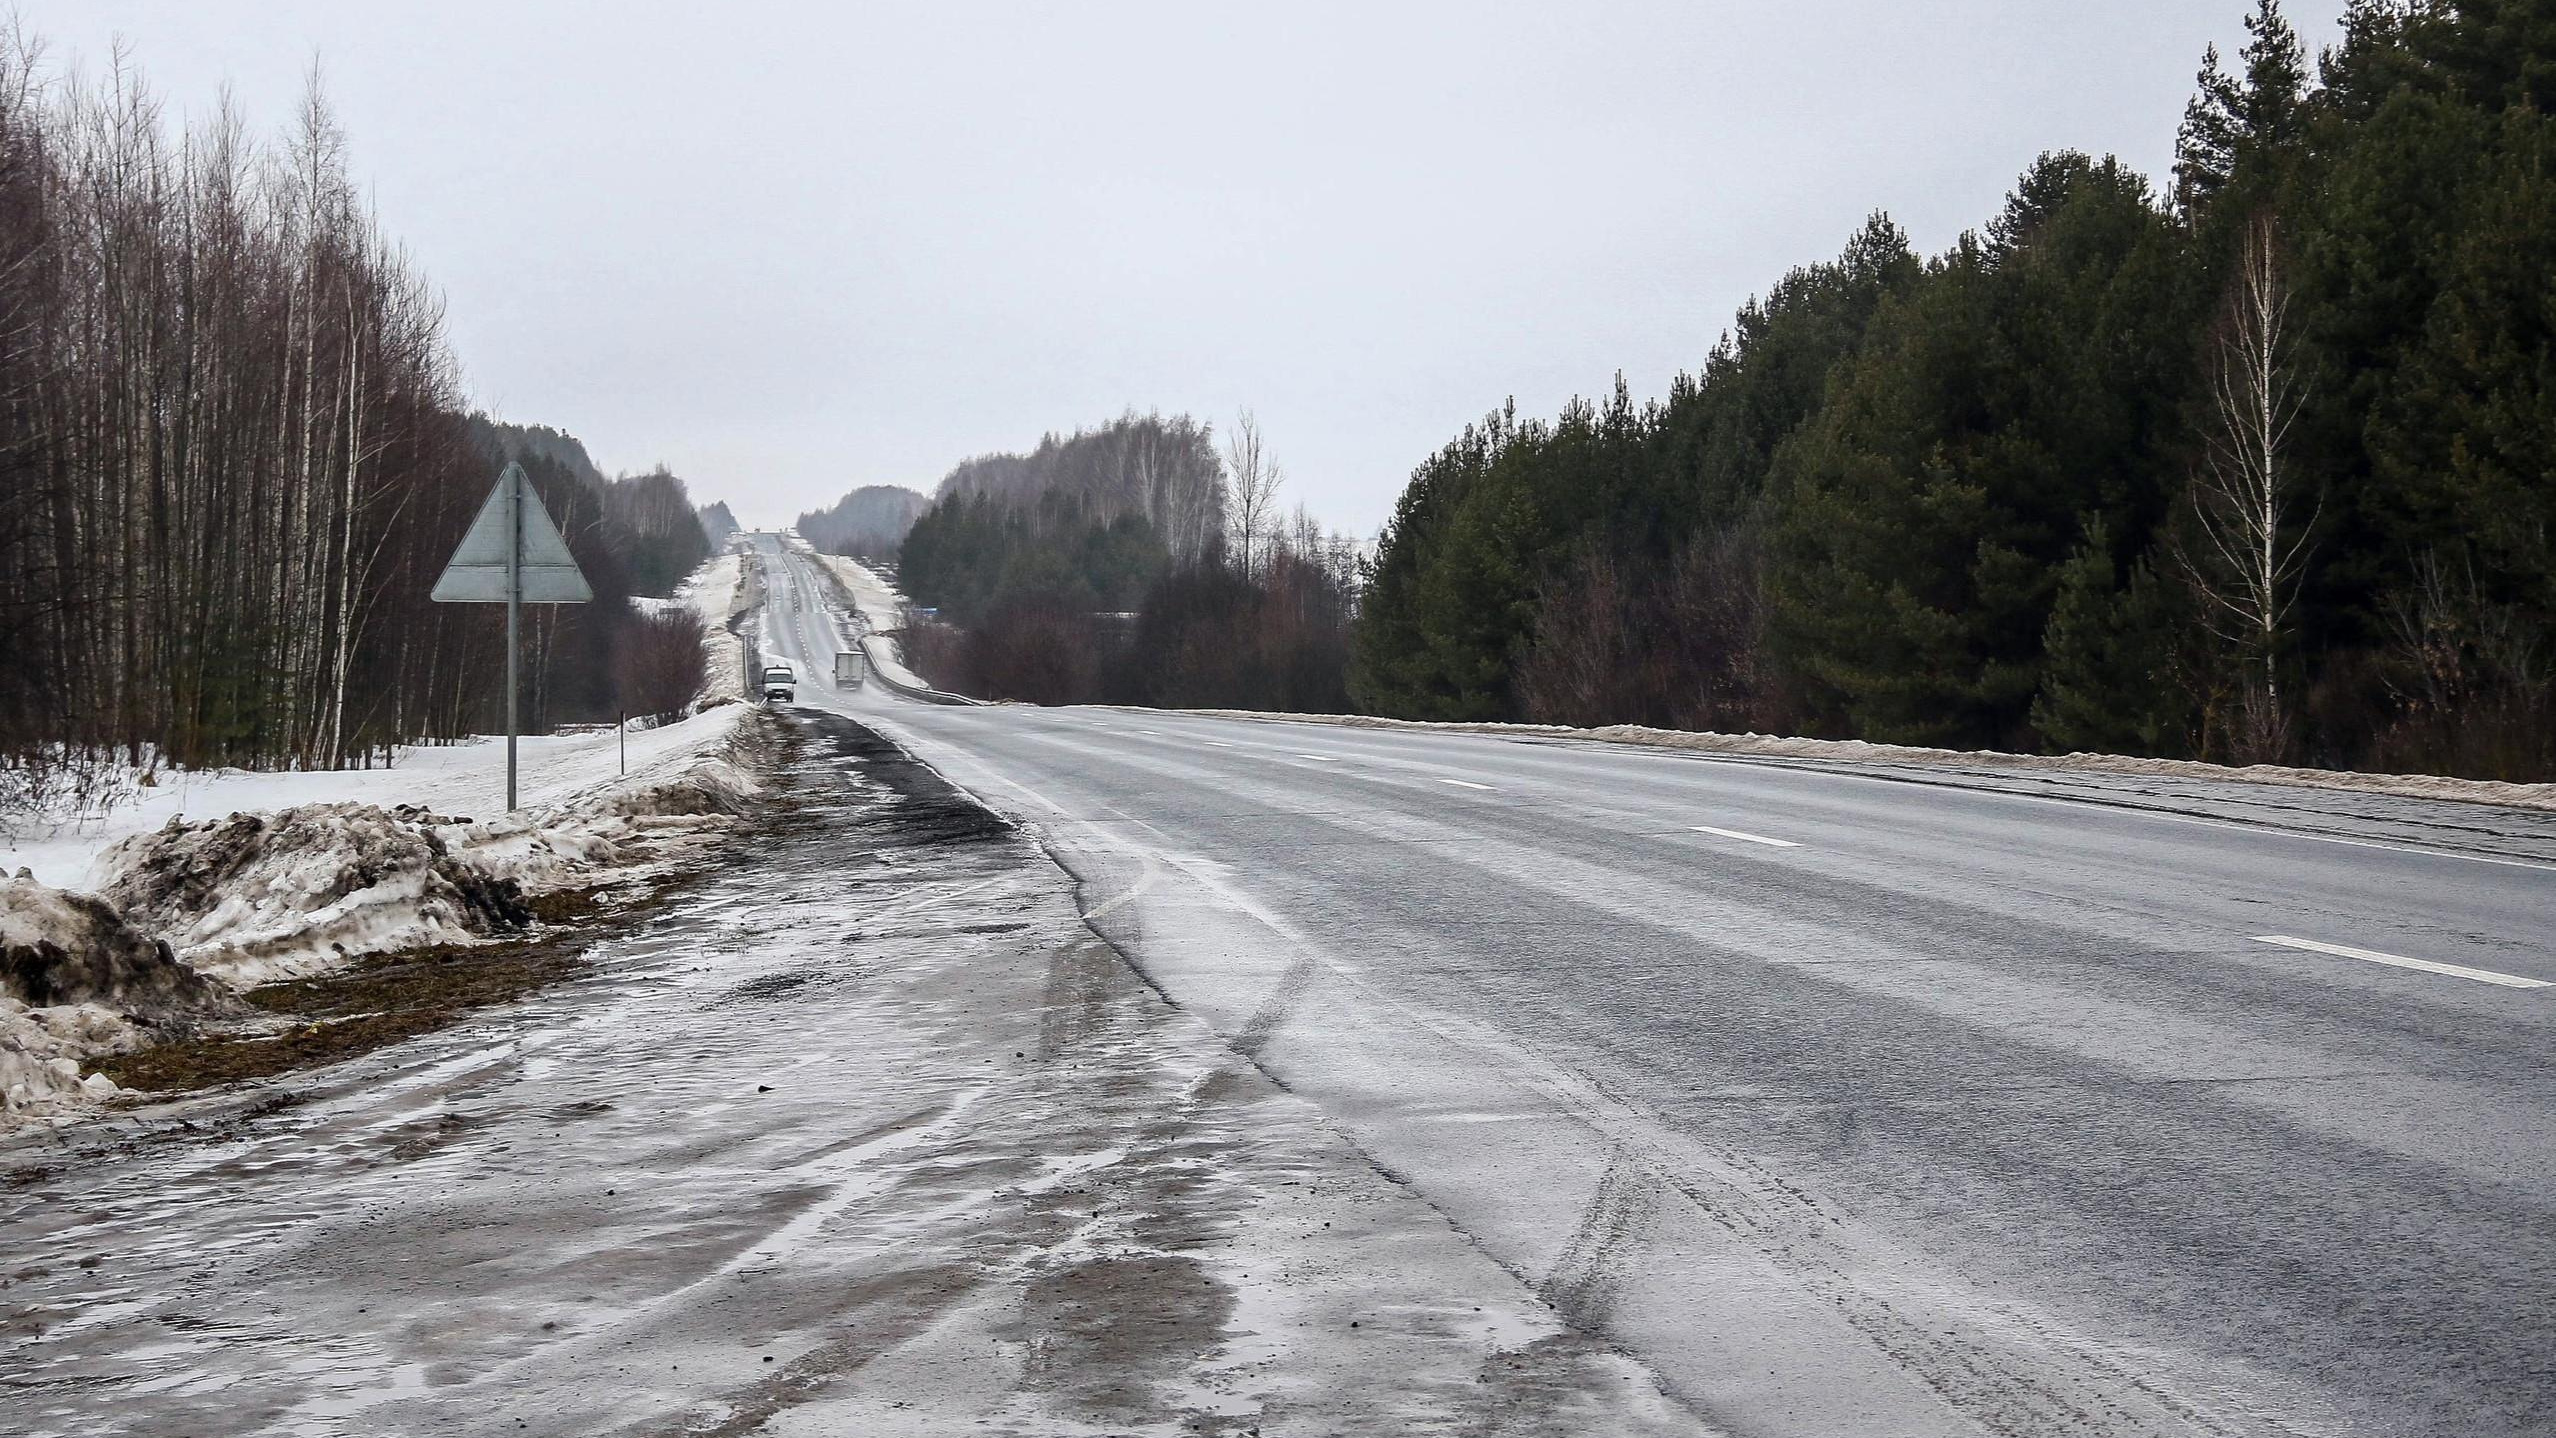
867,1133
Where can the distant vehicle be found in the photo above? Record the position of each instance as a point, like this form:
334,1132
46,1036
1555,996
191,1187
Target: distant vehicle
780,684
848,667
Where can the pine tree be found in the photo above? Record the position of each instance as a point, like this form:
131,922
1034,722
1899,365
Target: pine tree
2031,378
2109,678
2205,149
2232,124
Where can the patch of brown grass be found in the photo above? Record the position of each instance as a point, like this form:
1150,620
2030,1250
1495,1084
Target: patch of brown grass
378,1001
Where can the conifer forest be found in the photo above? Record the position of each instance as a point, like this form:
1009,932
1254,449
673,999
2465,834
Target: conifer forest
2257,465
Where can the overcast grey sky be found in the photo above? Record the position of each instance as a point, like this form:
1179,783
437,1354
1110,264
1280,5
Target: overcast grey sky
789,249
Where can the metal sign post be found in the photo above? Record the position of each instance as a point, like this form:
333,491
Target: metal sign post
513,555
514,613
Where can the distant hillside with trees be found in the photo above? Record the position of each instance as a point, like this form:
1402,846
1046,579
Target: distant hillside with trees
717,524
870,522
2258,468
1163,471
1134,564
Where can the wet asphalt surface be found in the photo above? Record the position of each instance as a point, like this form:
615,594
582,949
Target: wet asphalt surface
1974,1105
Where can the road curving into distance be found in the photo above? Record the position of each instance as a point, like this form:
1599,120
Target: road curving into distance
1856,1100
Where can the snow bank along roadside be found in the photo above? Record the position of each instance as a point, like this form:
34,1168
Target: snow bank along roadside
307,871
1774,746
724,588
77,981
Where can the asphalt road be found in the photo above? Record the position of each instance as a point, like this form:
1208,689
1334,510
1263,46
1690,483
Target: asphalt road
1856,1100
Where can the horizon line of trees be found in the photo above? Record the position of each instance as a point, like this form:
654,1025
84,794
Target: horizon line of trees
1165,470
869,522
1072,592
234,456
2259,469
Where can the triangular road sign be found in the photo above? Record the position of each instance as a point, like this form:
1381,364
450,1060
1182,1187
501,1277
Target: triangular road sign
477,572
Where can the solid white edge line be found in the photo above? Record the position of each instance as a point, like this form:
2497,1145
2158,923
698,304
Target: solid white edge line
1319,758
2456,971
1464,784
1745,838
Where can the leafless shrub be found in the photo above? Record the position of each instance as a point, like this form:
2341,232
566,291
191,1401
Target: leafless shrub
2472,683
1680,648
661,664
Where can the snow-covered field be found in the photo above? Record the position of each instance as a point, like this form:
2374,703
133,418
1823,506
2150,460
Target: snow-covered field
466,779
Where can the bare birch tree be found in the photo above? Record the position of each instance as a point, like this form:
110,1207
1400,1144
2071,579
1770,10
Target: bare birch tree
230,444
1254,481
2250,540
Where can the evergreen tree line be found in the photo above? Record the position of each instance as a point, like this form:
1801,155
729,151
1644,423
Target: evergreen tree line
970,554
2261,468
232,457
1067,594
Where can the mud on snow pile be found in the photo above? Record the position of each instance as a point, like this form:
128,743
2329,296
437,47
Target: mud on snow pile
193,923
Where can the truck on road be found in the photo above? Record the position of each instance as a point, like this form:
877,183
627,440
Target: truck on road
849,668
780,684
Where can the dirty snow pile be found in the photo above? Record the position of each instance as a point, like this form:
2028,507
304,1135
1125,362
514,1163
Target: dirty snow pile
257,897
309,870
78,981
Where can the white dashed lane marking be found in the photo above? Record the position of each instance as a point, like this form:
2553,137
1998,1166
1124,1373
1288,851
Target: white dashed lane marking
2399,961
1744,838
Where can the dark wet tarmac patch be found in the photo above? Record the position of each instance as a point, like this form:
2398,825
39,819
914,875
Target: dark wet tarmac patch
1109,1329
927,810
938,931
427,1135
763,988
